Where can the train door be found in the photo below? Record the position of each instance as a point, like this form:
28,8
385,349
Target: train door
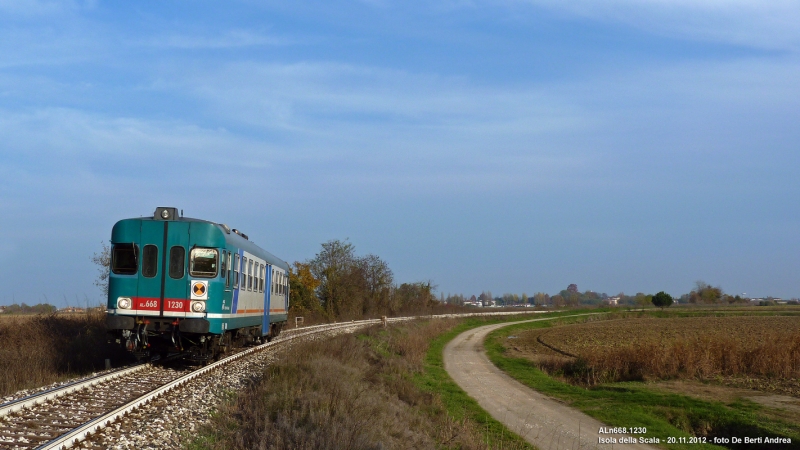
176,284
151,242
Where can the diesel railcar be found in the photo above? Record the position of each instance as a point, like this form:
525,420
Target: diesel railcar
190,286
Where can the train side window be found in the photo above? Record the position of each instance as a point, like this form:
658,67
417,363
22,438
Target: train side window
250,275
263,275
149,261
203,262
243,270
177,262
244,273
125,259
222,264
236,272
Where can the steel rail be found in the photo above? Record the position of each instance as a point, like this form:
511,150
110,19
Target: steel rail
50,394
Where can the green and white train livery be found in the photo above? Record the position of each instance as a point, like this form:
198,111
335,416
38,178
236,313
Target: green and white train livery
181,285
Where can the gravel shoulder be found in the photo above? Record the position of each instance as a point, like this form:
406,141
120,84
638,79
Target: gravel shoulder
540,420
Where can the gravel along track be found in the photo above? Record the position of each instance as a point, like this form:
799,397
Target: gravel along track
540,420
38,424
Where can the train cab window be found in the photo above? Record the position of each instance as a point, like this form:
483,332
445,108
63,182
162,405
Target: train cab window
149,261
203,262
236,272
124,259
222,264
177,262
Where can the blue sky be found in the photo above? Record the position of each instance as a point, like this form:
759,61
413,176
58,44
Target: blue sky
511,146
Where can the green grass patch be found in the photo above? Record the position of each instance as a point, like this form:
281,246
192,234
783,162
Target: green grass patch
461,406
632,404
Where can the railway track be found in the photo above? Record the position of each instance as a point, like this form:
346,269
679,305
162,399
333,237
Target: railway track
62,417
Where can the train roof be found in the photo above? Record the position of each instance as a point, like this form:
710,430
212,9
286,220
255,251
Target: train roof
232,237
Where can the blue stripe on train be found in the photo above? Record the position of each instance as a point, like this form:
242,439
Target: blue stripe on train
267,292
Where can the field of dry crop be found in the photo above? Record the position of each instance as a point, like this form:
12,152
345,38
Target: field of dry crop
39,349
763,350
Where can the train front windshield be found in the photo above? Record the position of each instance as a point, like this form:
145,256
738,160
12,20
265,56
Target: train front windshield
203,262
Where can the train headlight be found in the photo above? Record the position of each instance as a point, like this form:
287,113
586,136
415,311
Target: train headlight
198,307
124,303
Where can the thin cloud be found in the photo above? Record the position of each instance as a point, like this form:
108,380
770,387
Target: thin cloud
770,25
34,8
230,39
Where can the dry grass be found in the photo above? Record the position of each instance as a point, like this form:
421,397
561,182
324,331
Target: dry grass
765,348
354,392
38,350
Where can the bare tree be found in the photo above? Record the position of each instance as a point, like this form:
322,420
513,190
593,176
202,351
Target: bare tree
103,261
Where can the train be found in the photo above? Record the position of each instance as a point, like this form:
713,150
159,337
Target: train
191,287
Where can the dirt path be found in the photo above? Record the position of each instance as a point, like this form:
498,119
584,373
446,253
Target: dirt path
542,421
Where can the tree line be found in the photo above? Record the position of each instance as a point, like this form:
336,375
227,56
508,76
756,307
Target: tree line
24,308
702,294
338,284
